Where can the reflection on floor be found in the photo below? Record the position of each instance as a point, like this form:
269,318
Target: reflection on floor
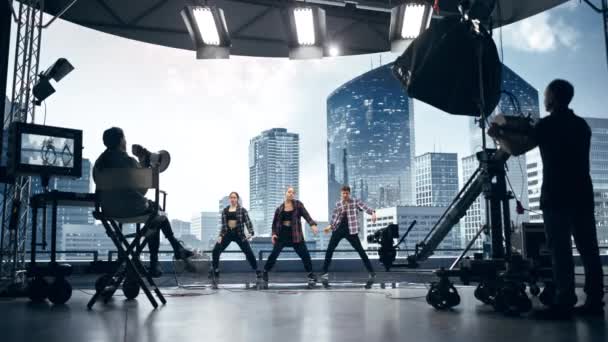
286,312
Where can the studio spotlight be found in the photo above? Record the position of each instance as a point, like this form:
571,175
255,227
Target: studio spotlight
208,31
43,88
408,20
307,32
334,51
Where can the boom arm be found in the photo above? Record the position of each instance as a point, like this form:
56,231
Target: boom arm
456,211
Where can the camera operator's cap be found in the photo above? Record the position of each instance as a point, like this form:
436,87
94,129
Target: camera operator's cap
162,159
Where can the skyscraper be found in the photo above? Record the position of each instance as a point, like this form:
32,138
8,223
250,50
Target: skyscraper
598,159
436,179
180,227
534,168
205,226
84,237
370,133
274,165
527,99
211,228
196,225
474,219
223,203
436,176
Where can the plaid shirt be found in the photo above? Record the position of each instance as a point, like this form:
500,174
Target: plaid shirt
296,223
350,208
242,221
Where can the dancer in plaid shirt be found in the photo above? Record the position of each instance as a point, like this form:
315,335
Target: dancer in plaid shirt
345,225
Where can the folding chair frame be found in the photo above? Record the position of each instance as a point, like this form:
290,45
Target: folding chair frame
128,263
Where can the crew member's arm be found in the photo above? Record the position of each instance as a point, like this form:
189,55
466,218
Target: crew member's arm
134,164
142,154
362,206
515,136
247,222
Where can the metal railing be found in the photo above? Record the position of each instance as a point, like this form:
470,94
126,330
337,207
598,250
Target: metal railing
94,253
263,253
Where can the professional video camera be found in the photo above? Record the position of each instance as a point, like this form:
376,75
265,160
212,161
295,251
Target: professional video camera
384,237
160,159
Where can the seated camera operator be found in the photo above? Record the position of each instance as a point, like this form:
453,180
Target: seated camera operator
130,203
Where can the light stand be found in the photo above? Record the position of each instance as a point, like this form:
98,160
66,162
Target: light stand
501,276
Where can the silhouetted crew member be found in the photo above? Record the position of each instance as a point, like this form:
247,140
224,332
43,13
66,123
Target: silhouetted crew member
130,203
567,202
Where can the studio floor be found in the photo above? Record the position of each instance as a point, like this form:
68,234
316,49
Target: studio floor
285,312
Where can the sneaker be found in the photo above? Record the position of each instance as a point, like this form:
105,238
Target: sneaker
182,253
265,280
214,276
370,280
325,280
312,280
590,309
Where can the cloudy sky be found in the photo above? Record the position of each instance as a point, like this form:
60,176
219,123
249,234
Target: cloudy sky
205,112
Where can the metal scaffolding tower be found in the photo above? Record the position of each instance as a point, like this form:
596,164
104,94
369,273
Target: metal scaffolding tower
15,195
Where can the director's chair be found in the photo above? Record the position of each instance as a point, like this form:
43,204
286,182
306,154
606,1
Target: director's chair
128,270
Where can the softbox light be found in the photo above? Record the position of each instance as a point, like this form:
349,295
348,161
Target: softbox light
442,68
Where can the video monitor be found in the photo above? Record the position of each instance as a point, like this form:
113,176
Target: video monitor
44,150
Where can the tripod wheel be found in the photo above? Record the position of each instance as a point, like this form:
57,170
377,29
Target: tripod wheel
512,299
534,290
38,289
60,291
484,293
547,296
443,295
130,288
100,281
